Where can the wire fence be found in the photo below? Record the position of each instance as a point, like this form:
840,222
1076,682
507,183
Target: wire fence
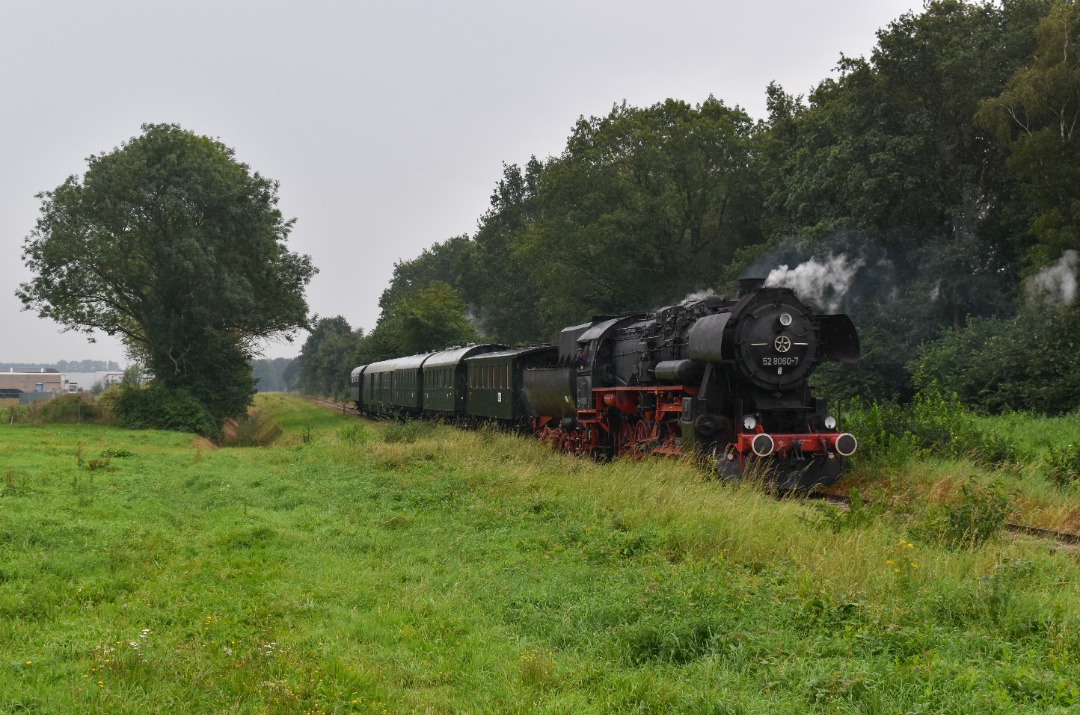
59,411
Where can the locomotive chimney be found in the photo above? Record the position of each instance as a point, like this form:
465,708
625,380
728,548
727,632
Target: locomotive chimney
749,285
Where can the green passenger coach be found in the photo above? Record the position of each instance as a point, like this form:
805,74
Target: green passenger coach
445,379
395,386
494,381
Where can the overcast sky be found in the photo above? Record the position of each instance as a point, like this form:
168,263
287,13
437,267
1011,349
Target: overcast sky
386,124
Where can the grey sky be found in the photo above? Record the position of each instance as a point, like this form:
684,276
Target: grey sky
386,123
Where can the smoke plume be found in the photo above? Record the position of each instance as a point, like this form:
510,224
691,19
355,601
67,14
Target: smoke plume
822,283
699,295
1056,284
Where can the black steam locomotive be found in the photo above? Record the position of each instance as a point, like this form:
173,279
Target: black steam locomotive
717,377
725,379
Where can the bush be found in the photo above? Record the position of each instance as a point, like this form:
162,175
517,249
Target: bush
1063,464
74,407
977,516
353,434
1027,363
890,434
253,430
157,407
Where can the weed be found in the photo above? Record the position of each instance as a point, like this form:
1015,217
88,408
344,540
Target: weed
890,435
253,430
977,516
353,434
407,432
860,512
99,463
677,643
1063,464
537,669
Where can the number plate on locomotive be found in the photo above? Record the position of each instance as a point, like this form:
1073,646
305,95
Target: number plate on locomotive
780,361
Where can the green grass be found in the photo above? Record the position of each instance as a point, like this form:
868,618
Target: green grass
345,569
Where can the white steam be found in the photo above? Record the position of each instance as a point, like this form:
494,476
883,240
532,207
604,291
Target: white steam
1057,283
824,284
699,295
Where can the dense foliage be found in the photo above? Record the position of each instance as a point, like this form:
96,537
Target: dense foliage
326,358
173,245
922,190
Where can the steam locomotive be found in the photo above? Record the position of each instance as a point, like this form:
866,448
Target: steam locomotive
722,379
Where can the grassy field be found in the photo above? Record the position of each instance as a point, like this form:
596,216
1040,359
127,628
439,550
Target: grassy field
355,567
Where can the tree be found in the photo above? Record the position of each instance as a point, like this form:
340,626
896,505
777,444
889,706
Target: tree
327,358
424,319
173,245
1037,118
890,150
499,287
270,374
642,208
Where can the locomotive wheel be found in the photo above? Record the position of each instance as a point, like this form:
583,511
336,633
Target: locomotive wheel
643,439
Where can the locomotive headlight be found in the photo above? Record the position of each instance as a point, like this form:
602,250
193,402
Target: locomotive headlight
785,319
830,422
749,423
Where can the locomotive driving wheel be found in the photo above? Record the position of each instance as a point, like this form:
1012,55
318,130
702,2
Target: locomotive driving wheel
644,438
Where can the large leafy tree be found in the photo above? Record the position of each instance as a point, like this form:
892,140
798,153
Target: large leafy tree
890,150
327,357
642,208
499,287
422,319
1037,117
179,249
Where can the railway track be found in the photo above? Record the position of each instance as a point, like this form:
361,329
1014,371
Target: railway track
1065,538
342,407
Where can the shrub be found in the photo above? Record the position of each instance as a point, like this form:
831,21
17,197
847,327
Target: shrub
933,424
353,434
977,516
1063,464
70,408
252,430
157,407
1028,362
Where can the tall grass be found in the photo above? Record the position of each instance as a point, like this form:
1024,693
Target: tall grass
470,571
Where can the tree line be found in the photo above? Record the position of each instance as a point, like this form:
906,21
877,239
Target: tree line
927,190
930,190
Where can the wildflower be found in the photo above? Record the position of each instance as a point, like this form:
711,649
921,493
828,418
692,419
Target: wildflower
889,561
914,565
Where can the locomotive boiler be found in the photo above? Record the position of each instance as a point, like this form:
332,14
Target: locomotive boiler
723,379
